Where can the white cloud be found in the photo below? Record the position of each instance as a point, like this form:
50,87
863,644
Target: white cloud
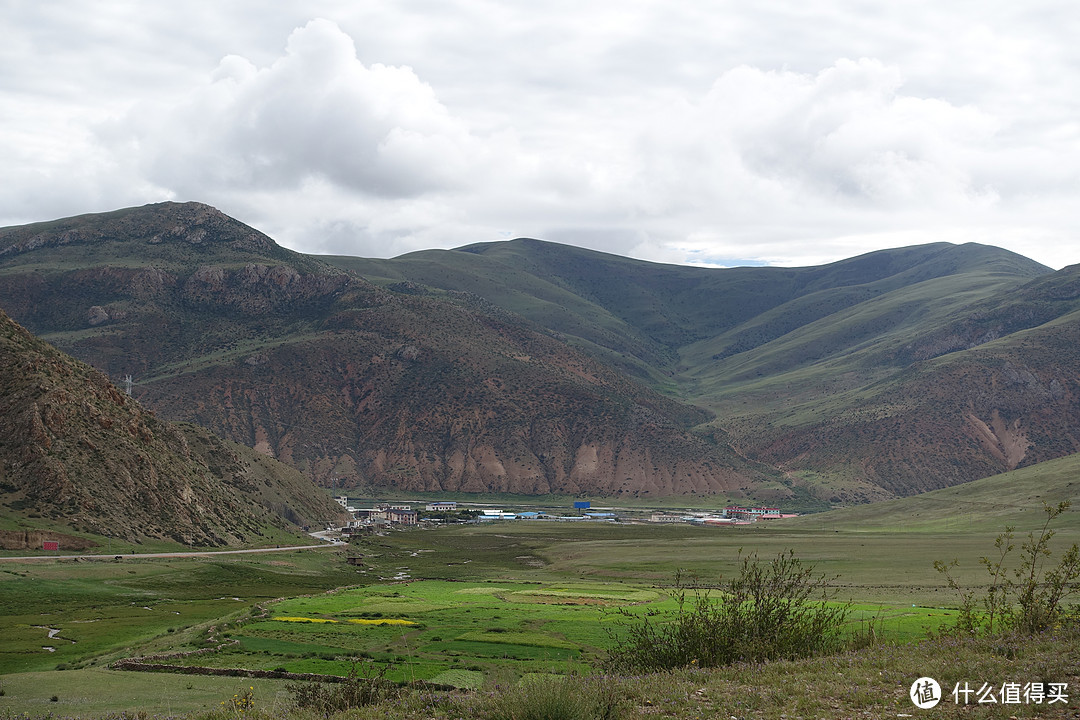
316,112
845,135
672,131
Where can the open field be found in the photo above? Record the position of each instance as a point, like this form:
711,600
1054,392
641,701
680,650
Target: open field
457,606
104,609
433,630
96,691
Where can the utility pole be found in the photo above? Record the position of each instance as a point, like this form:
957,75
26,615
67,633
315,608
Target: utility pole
127,382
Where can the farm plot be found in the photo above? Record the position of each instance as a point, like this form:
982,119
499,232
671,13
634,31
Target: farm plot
457,633
446,632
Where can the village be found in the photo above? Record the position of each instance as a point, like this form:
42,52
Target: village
402,514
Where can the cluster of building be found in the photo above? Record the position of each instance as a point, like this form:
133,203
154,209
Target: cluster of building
403,515
584,514
732,515
492,515
381,514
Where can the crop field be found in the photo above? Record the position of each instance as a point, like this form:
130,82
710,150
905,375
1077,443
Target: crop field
433,630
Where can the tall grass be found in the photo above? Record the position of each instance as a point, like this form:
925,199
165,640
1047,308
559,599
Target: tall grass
567,697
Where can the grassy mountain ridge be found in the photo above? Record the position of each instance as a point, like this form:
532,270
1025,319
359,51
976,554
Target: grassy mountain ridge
77,452
677,304
804,368
642,315
539,298
989,504
521,366
353,383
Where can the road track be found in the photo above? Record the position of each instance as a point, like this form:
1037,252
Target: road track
329,543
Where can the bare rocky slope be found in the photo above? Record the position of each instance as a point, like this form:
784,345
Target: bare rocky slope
77,452
355,385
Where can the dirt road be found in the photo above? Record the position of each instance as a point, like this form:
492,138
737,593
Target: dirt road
327,543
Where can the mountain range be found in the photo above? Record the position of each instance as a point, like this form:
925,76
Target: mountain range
531,367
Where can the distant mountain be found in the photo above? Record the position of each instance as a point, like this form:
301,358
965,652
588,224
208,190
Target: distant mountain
528,366
76,452
354,384
848,377
988,389
644,315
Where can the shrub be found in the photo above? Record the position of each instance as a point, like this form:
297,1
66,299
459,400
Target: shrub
1030,601
768,612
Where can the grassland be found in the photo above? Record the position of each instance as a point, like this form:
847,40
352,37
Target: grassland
462,606
983,506
105,609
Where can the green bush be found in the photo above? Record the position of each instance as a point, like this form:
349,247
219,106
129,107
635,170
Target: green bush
779,609
1028,600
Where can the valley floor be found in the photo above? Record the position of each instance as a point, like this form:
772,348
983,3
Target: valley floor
491,609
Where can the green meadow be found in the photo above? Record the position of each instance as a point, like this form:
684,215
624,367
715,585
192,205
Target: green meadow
103,610
460,606
432,629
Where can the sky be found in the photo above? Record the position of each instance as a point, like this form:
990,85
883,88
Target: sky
709,133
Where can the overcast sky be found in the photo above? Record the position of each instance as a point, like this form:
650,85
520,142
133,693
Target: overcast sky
786,133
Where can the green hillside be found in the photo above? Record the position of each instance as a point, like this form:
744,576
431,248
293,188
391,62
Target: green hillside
1014,498
353,384
804,368
532,367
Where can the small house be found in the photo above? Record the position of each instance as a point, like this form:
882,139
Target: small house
398,516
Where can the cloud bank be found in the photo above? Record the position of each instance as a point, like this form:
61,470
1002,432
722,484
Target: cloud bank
663,132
